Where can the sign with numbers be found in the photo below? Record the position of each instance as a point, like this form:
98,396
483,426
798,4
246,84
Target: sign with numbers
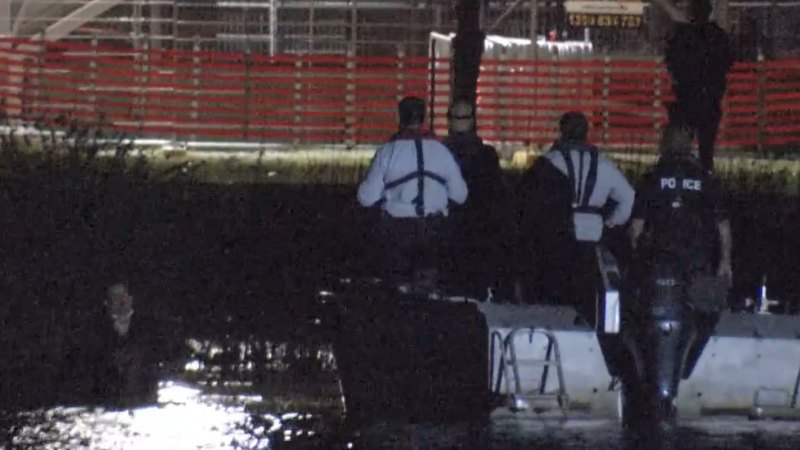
604,13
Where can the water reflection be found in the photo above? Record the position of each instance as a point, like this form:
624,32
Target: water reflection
221,402
185,417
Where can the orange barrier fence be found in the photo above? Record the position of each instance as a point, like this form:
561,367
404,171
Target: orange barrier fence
309,99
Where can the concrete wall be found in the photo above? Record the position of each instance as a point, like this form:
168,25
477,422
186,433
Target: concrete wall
749,356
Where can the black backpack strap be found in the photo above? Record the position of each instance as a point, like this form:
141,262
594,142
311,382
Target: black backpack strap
419,201
591,177
570,172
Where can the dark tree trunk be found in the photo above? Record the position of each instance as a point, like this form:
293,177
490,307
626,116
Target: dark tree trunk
467,49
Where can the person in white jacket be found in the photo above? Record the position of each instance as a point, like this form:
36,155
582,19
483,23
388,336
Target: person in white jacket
412,179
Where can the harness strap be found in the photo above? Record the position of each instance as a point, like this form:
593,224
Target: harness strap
414,175
419,200
583,193
420,174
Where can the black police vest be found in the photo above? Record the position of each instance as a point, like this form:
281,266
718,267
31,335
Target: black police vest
679,217
420,174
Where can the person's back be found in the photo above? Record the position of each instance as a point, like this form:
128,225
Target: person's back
399,165
592,190
591,182
680,202
412,178
483,222
680,218
699,57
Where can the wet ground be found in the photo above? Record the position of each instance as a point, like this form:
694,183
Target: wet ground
235,270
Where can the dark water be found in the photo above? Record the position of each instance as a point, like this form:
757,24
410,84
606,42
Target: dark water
237,269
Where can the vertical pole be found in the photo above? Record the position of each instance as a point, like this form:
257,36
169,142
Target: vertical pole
247,92
657,103
196,72
273,26
144,82
354,26
156,23
310,42
298,97
501,99
534,35
432,98
175,17
761,111
5,18
93,76
401,68
350,98
136,24
606,88
40,60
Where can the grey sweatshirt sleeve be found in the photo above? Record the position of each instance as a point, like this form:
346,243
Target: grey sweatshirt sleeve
622,193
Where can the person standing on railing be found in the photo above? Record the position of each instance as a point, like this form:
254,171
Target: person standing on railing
698,57
571,194
411,179
483,221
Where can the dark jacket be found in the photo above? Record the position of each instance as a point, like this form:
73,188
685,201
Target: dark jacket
544,216
482,228
699,57
480,167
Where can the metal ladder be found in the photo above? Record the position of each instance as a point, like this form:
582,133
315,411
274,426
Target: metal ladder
509,367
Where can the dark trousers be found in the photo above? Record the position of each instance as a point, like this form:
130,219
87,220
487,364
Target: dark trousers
702,113
411,244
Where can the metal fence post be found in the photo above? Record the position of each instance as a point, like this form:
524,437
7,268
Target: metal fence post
761,111
144,82
401,69
247,93
93,76
350,98
605,95
657,101
503,134
40,60
196,71
298,98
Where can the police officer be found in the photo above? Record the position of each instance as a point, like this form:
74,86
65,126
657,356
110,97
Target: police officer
698,57
680,214
598,195
681,238
412,178
484,220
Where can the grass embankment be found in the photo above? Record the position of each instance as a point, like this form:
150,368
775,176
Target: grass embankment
740,172
769,171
